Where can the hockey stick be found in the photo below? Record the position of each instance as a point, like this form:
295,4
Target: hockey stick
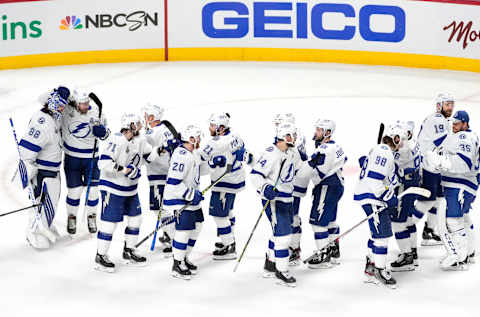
380,133
37,223
178,212
90,173
171,128
258,220
21,209
152,247
410,191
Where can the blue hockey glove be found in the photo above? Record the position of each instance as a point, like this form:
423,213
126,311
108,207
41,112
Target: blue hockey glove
172,144
361,160
317,160
99,131
197,197
269,192
239,154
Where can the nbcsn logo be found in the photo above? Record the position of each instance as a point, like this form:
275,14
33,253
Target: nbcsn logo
71,22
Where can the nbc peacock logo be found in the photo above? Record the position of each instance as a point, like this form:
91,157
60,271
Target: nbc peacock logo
71,22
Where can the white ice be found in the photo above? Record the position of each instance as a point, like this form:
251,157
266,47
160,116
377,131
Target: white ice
62,282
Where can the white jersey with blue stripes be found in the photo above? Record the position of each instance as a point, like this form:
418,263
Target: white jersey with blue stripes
408,156
377,173
334,161
157,171
433,132
218,152
182,180
461,149
77,131
41,144
267,169
302,178
118,151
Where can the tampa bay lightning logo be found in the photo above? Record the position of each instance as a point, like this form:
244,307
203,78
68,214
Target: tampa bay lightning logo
41,120
79,129
290,175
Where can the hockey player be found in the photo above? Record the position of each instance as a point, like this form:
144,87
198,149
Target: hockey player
273,175
41,154
158,134
224,148
326,174
121,158
407,160
300,186
181,191
375,191
80,126
460,162
432,133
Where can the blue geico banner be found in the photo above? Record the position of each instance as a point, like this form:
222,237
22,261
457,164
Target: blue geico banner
294,19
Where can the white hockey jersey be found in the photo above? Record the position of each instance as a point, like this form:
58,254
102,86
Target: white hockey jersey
331,172
377,173
302,178
117,150
77,131
408,156
41,144
461,149
267,170
216,152
433,132
182,180
157,171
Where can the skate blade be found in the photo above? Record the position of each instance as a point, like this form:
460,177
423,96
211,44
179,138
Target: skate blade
225,257
390,286
370,280
404,269
323,266
461,267
268,274
134,264
294,263
415,263
431,243
282,283
181,277
101,268
335,261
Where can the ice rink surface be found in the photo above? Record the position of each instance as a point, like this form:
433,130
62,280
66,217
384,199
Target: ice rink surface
62,282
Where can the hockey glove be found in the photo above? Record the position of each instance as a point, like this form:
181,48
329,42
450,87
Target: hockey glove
172,145
197,197
99,131
317,160
269,192
303,155
390,198
133,172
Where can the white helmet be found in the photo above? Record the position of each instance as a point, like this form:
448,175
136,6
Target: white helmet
280,118
154,110
441,98
326,125
190,131
220,119
285,129
128,119
80,96
397,133
408,126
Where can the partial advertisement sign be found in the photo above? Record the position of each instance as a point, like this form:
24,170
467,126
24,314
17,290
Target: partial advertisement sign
72,26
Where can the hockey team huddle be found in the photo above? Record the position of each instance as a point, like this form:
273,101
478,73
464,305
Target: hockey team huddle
402,179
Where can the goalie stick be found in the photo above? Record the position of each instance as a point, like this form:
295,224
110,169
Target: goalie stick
410,191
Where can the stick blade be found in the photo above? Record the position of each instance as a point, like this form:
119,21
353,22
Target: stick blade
415,191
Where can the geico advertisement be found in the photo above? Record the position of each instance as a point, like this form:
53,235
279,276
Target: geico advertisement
63,26
392,26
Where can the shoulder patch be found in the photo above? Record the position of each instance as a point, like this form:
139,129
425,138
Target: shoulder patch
216,138
118,134
150,131
269,149
41,120
182,152
323,146
438,115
